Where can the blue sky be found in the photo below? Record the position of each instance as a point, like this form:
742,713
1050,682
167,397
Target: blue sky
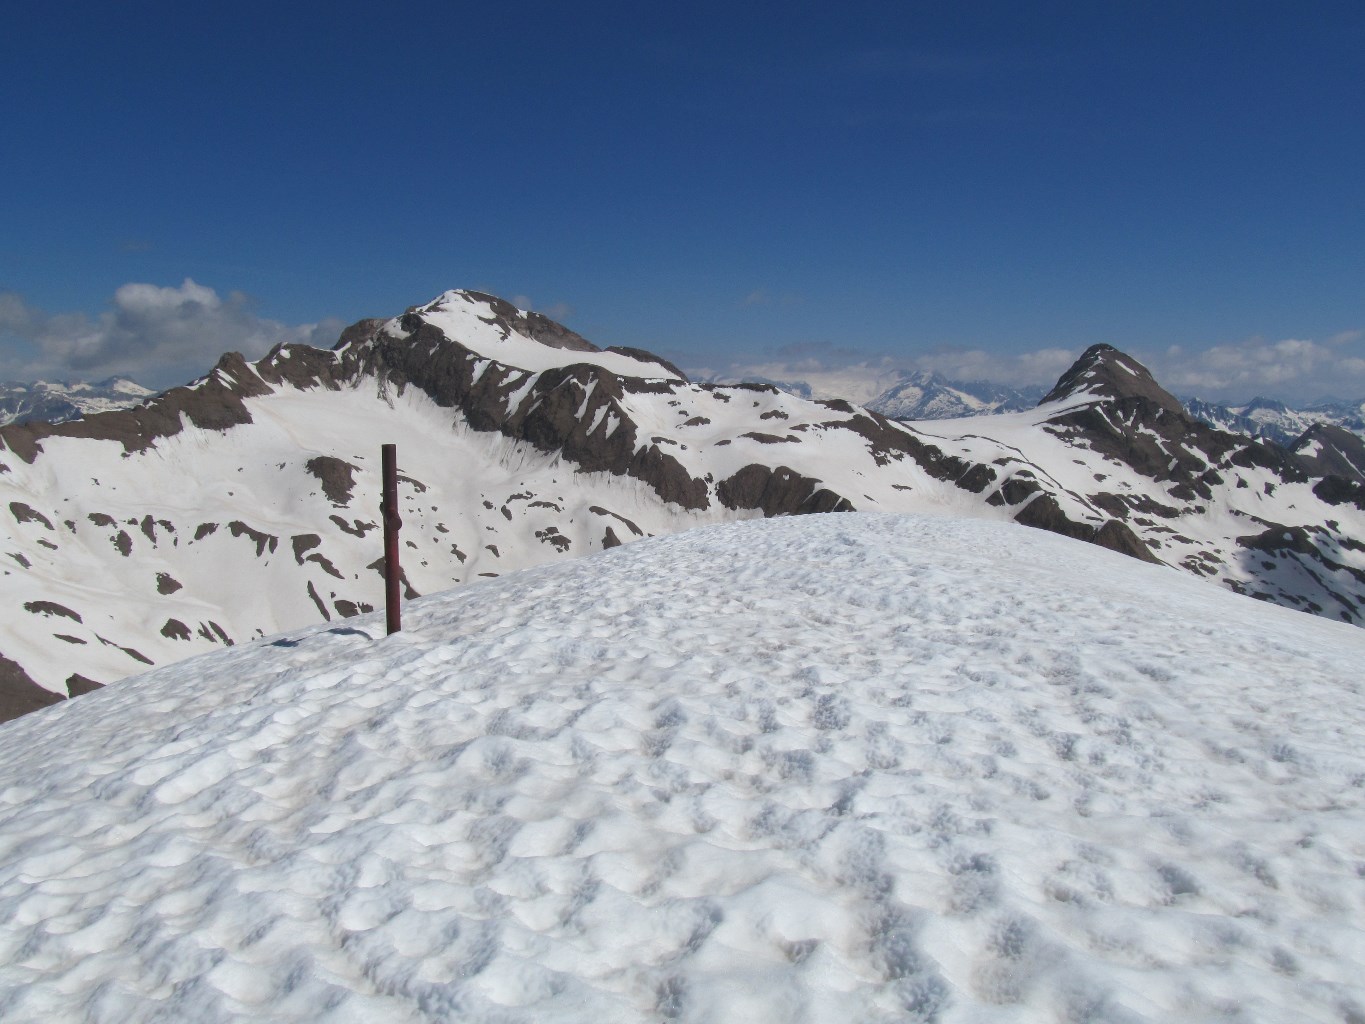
981,188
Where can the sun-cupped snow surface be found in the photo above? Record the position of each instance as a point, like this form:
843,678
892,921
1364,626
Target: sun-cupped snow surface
836,768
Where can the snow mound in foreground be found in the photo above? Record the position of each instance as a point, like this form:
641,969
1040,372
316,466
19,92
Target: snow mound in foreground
835,768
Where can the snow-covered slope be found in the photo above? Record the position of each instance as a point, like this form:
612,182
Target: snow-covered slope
60,401
822,769
247,503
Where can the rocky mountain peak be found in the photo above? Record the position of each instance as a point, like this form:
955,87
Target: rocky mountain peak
1103,371
507,318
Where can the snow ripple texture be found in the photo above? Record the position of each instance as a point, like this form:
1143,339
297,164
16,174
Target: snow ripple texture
838,768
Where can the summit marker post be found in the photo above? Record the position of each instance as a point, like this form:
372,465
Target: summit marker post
392,524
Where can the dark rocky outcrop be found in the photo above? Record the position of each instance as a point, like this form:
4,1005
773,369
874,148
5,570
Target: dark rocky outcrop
1335,490
51,608
24,514
598,510
19,694
261,540
1044,513
778,492
174,629
337,477
77,685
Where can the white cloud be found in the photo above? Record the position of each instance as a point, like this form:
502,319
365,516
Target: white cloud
1291,369
156,335
558,311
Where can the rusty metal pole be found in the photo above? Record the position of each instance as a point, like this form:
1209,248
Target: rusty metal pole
392,524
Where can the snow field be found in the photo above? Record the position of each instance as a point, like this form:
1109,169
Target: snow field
254,474
836,768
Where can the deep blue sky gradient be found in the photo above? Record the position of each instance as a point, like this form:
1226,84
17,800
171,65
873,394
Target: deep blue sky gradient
710,182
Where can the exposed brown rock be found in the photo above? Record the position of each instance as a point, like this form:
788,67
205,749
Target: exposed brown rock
174,629
24,514
600,511
358,530
262,540
77,685
19,694
51,608
1337,490
317,600
780,491
337,477
1044,513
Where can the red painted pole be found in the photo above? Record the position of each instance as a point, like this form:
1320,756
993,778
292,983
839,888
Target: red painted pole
392,524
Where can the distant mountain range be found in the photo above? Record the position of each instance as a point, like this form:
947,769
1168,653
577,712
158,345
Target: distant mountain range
246,503
1268,418
62,401
901,394
922,395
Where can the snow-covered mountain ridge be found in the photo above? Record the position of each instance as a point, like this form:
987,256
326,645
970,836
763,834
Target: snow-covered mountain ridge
829,768
247,503
903,394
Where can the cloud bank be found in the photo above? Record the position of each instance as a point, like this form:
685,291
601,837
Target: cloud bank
1293,369
156,335
555,311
